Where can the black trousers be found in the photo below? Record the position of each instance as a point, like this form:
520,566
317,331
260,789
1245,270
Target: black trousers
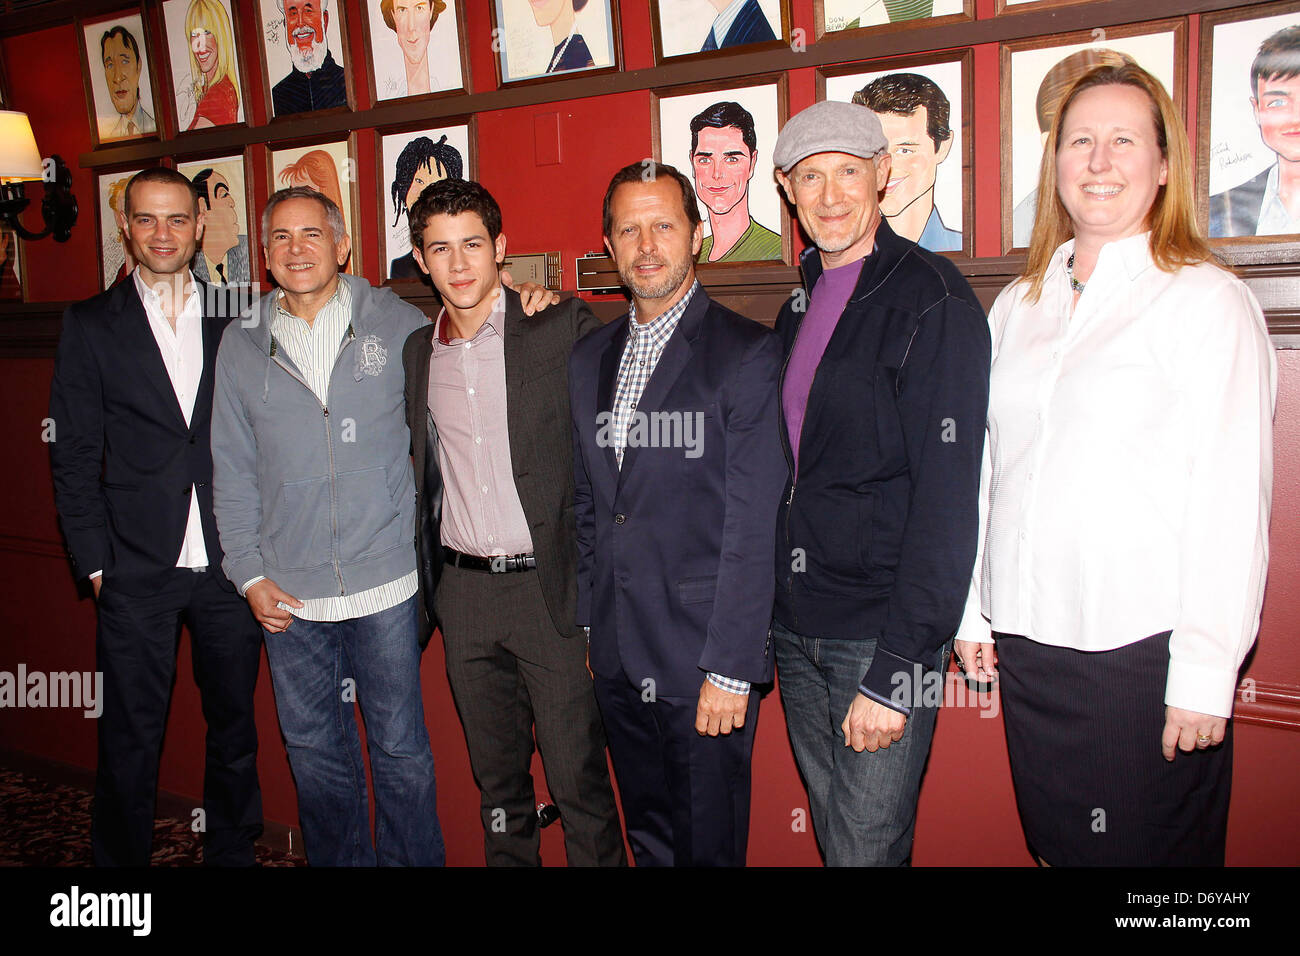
685,795
135,649
512,676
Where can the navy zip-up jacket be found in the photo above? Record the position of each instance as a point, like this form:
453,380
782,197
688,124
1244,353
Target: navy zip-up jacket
876,538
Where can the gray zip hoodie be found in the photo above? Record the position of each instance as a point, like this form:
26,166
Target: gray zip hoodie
320,499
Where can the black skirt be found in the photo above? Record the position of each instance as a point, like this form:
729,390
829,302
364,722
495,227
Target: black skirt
1092,787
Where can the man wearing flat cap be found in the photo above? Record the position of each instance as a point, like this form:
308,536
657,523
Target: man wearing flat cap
883,401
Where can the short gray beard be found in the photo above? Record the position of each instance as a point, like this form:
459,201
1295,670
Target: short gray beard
656,290
308,62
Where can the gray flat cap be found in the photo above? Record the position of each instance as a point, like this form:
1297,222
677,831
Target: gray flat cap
829,127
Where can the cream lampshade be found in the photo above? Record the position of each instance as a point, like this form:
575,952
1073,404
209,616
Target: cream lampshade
19,158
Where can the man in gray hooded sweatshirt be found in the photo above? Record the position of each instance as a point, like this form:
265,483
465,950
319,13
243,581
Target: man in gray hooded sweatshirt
315,503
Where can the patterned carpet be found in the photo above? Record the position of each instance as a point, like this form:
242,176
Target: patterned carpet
48,824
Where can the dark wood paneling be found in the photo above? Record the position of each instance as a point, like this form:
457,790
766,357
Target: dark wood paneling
1273,705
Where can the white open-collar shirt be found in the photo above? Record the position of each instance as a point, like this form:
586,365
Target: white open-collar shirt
1128,468
182,354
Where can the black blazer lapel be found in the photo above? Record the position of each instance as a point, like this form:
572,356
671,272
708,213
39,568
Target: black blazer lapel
141,348
216,307
515,356
428,479
606,383
418,413
512,340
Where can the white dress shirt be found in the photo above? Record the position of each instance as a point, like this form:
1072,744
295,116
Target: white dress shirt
1274,218
1128,468
182,354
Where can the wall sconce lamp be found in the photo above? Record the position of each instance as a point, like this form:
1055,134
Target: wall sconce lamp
20,161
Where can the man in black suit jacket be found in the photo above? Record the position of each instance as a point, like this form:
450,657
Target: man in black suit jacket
132,403
678,472
488,409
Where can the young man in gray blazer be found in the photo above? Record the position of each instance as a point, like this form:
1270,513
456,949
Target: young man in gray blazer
488,408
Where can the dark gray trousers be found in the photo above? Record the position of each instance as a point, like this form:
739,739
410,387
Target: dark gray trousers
514,676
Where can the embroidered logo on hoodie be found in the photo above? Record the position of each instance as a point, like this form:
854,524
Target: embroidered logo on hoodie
373,355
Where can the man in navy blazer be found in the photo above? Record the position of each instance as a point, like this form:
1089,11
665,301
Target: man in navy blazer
678,472
131,402
738,23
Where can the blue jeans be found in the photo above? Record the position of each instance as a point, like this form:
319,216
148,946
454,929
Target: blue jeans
863,804
319,669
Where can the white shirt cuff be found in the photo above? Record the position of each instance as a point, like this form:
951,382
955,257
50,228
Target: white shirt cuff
1196,687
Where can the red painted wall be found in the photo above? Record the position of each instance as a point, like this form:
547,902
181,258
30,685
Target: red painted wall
967,813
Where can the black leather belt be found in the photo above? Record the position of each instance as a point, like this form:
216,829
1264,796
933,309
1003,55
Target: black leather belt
498,564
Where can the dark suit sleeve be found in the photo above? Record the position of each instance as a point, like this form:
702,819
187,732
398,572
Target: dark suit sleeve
584,320
77,452
943,405
583,511
737,642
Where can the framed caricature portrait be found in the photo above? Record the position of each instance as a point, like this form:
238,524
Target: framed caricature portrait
329,168
119,80
304,58
689,27
1036,73
835,16
408,161
227,251
11,267
539,39
115,259
923,103
1249,158
204,58
721,137
415,47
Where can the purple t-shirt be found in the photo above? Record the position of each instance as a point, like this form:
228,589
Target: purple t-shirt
829,297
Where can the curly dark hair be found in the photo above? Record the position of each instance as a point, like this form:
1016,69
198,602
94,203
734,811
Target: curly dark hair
417,154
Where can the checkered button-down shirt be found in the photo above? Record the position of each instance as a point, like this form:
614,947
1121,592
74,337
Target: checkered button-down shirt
645,343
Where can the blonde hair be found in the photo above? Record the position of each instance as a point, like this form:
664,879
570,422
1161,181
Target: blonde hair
211,16
115,193
1175,238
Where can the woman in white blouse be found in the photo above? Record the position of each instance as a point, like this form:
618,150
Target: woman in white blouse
1125,495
